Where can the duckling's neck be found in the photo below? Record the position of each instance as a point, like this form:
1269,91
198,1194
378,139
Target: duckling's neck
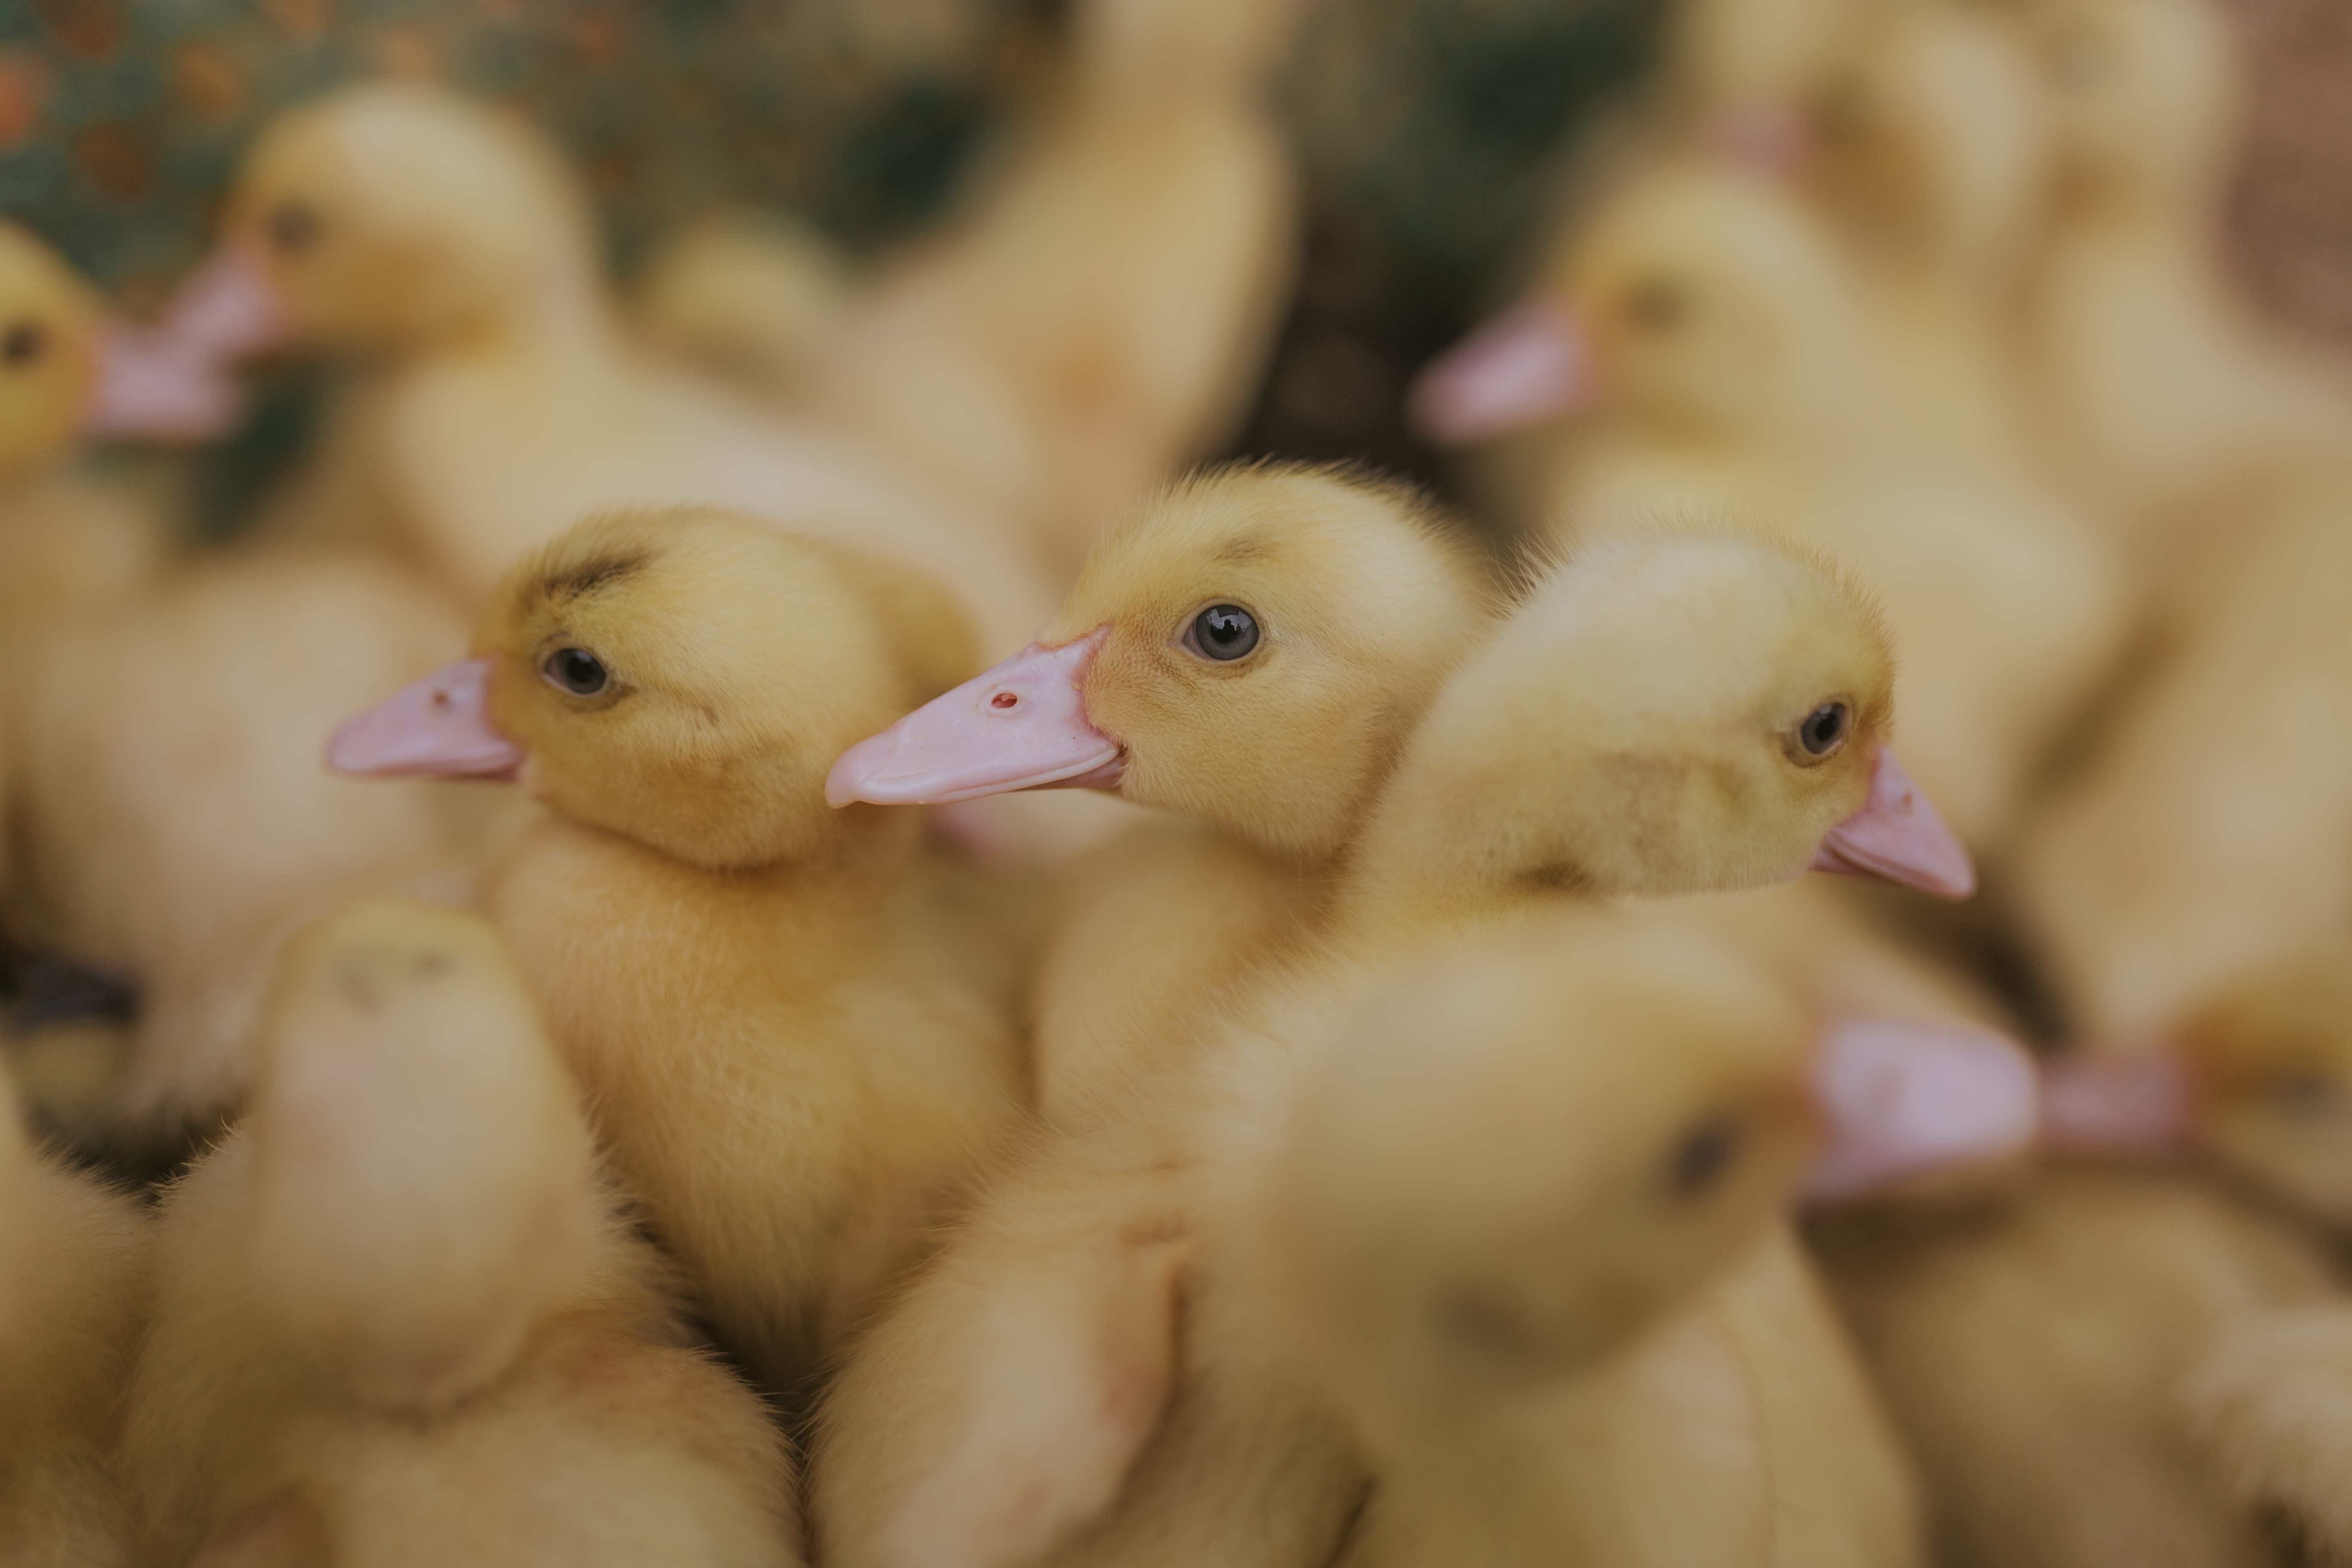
1423,868
571,318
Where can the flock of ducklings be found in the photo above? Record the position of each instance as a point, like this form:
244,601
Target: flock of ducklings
793,1106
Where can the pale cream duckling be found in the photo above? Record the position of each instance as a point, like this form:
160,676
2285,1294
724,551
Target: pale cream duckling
2160,386
796,1052
401,1318
1030,1399
1710,329
171,823
1252,646
448,246
753,298
1498,1220
73,1298
1099,318
2165,863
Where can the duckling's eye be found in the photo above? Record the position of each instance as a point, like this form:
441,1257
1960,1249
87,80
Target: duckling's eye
1703,1156
23,343
294,226
1824,730
1222,632
2304,1094
1657,304
576,670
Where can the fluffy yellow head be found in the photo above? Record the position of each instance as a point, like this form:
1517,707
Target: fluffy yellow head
1355,603
49,354
2271,1062
421,1169
2144,95
1665,713
1521,1150
388,216
686,679
1711,300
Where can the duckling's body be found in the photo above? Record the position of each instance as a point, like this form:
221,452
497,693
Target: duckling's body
1119,1444
73,1299
172,821
794,1041
479,1362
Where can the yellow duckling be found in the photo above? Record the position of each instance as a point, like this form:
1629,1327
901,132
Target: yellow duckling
751,298
171,824
2038,1348
1100,318
401,1318
1507,1257
1030,1400
503,398
73,1298
1710,327
65,541
2161,387
795,1049
1253,645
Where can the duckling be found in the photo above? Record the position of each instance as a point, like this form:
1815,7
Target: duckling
753,298
2036,1347
450,245
1253,645
73,1296
2163,863
796,1051
1061,1429
1100,317
64,540
169,819
400,1316
2161,388
1505,1258
1739,72
1712,326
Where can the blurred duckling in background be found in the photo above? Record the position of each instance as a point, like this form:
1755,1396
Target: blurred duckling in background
65,541
2162,863
1711,332
1101,316
1502,1253
400,1317
797,1048
1739,72
448,246
1637,726
2161,388
750,298
1249,650
73,1299
2036,1347
169,821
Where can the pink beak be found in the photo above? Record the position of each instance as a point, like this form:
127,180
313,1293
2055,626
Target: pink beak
438,727
2137,1104
1526,366
171,382
1022,725
1897,836
1906,1100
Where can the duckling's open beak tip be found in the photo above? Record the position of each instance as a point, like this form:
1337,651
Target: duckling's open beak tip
172,382
2135,1103
1897,836
1527,366
436,727
1022,725
1903,1101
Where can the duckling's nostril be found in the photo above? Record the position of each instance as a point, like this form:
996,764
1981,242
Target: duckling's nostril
1004,700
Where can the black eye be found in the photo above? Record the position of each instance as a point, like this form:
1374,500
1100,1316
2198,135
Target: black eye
23,343
1223,632
293,226
576,670
1702,1158
1824,730
1657,304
